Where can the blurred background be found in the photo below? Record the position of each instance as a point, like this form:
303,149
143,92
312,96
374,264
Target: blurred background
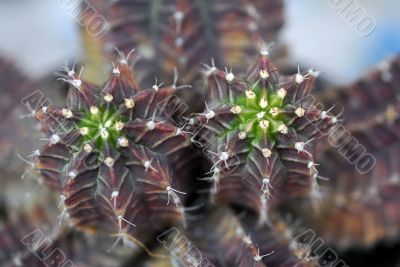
40,35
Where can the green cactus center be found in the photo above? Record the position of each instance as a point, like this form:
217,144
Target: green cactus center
260,113
101,125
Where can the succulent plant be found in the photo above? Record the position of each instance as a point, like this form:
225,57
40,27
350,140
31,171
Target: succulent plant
221,238
281,238
234,246
34,238
121,164
365,204
116,160
18,135
259,133
184,33
241,244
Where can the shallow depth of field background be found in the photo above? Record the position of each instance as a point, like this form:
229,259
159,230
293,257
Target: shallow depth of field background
41,35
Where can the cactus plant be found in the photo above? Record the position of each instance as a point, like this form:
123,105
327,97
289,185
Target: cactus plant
233,242
182,33
116,161
239,242
259,133
370,108
121,165
34,238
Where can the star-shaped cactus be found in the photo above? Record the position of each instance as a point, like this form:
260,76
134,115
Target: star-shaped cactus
259,132
116,159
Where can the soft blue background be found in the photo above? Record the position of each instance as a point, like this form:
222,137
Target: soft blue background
319,36
41,35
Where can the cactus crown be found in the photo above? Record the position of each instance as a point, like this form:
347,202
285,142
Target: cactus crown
259,113
259,130
113,152
102,124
